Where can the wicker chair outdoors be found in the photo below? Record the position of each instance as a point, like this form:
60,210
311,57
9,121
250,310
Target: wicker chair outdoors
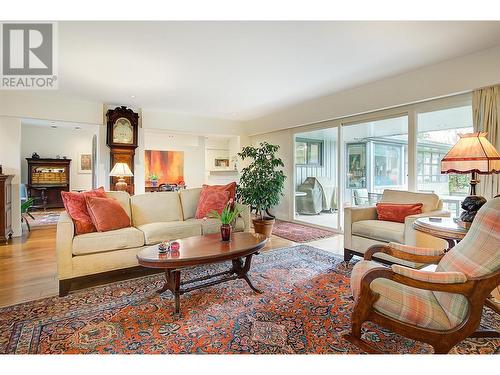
441,308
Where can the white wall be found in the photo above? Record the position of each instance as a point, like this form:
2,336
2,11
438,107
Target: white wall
48,143
459,75
153,119
193,147
48,106
10,149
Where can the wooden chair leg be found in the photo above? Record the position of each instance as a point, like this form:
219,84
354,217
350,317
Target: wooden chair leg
442,348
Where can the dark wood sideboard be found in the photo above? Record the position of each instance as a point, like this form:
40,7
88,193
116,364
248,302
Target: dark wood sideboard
5,207
46,179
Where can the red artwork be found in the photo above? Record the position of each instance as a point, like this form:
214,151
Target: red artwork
164,167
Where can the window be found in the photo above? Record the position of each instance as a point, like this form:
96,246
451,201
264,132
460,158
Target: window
438,131
356,166
376,158
388,167
308,152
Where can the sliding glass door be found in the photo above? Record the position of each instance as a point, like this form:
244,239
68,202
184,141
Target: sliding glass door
316,177
354,160
438,131
376,158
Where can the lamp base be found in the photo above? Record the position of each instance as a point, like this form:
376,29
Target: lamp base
121,185
471,205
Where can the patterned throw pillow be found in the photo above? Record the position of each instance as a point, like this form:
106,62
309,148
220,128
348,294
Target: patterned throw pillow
75,205
211,199
107,214
397,212
231,188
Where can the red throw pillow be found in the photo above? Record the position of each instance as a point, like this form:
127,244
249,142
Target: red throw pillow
397,211
231,188
211,199
75,205
107,214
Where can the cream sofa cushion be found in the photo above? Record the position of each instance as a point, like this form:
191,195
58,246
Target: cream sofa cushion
171,230
97,242
189,202
210,226
386,231
430,201
122,197
155,207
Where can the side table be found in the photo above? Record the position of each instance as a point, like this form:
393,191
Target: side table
444,227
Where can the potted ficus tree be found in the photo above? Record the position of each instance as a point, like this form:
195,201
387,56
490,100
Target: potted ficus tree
261,183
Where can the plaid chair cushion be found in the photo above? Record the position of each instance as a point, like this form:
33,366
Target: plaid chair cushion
403,303
478,254
430,276
358,271
416,250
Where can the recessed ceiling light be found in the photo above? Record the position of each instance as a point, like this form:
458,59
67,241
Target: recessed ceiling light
132,96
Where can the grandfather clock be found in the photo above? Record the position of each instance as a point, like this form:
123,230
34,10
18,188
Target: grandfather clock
122,125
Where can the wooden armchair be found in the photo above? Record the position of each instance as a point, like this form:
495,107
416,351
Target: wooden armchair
440,308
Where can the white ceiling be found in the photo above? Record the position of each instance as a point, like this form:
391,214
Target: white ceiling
243,70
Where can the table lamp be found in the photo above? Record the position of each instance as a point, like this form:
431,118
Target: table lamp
474,154
121,170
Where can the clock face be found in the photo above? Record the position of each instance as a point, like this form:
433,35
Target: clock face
123,132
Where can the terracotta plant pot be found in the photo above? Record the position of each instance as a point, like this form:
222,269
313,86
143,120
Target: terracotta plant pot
264,227
225,232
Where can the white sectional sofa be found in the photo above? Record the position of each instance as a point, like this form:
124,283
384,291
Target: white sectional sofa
155,217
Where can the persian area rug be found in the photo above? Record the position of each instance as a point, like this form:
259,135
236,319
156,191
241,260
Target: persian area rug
44,218
300,233
305,308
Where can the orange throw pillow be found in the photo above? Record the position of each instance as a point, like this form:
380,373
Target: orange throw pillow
397,211
211,199
231,188
75,205
107,214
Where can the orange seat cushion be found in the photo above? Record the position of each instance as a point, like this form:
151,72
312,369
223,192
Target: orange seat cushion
397,212
75,205
107,214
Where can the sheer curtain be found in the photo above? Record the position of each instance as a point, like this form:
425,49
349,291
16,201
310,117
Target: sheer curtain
486,118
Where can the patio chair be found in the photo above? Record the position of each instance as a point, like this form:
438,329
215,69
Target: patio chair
441,308
363,197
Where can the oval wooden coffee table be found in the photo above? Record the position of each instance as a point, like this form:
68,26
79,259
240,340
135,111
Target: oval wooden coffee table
200,250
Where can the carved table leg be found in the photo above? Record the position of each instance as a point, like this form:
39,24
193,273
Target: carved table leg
165,286
241,270
173,283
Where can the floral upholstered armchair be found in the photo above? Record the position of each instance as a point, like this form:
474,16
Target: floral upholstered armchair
441,308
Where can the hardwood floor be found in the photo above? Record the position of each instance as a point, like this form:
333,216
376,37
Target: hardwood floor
28,268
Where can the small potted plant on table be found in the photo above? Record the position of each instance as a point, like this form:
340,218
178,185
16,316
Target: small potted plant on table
261,183
153,177
226,217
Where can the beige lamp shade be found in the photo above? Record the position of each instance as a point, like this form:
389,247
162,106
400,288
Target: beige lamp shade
472,153
121,170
